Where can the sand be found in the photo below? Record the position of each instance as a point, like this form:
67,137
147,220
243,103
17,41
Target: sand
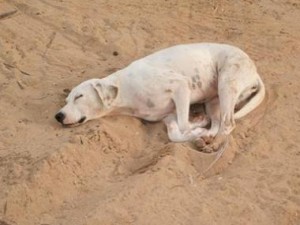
118,170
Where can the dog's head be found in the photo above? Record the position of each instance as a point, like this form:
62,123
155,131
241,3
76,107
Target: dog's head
89,100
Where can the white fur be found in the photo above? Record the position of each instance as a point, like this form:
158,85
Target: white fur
162,86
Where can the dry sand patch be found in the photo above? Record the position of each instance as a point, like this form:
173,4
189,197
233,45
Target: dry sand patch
118,170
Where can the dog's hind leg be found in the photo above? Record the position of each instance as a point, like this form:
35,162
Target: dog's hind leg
230,86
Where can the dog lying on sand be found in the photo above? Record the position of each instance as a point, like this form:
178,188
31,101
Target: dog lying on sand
163,85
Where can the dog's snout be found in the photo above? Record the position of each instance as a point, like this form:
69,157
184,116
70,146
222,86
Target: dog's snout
60,117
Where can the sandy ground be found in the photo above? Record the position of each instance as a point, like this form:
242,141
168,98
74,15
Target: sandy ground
117,170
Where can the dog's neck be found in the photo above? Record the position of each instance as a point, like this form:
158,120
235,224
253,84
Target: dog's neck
117,111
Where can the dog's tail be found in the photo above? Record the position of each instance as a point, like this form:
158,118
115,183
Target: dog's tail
253,102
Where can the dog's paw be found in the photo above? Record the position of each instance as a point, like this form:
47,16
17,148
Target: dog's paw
210,148
210,144
202,142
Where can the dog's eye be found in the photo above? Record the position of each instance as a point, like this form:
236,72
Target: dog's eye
77,97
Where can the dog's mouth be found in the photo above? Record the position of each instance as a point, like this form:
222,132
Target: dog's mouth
82,119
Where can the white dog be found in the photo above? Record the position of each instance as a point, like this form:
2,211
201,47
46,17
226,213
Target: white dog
162,86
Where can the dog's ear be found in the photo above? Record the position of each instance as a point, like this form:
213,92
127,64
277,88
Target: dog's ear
107,93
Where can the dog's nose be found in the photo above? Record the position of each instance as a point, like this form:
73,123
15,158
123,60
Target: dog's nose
60,117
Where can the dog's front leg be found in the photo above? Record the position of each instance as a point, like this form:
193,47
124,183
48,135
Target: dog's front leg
181,99
178,125
205,142
175,134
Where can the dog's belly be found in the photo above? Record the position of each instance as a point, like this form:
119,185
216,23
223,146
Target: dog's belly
152,110
204,93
